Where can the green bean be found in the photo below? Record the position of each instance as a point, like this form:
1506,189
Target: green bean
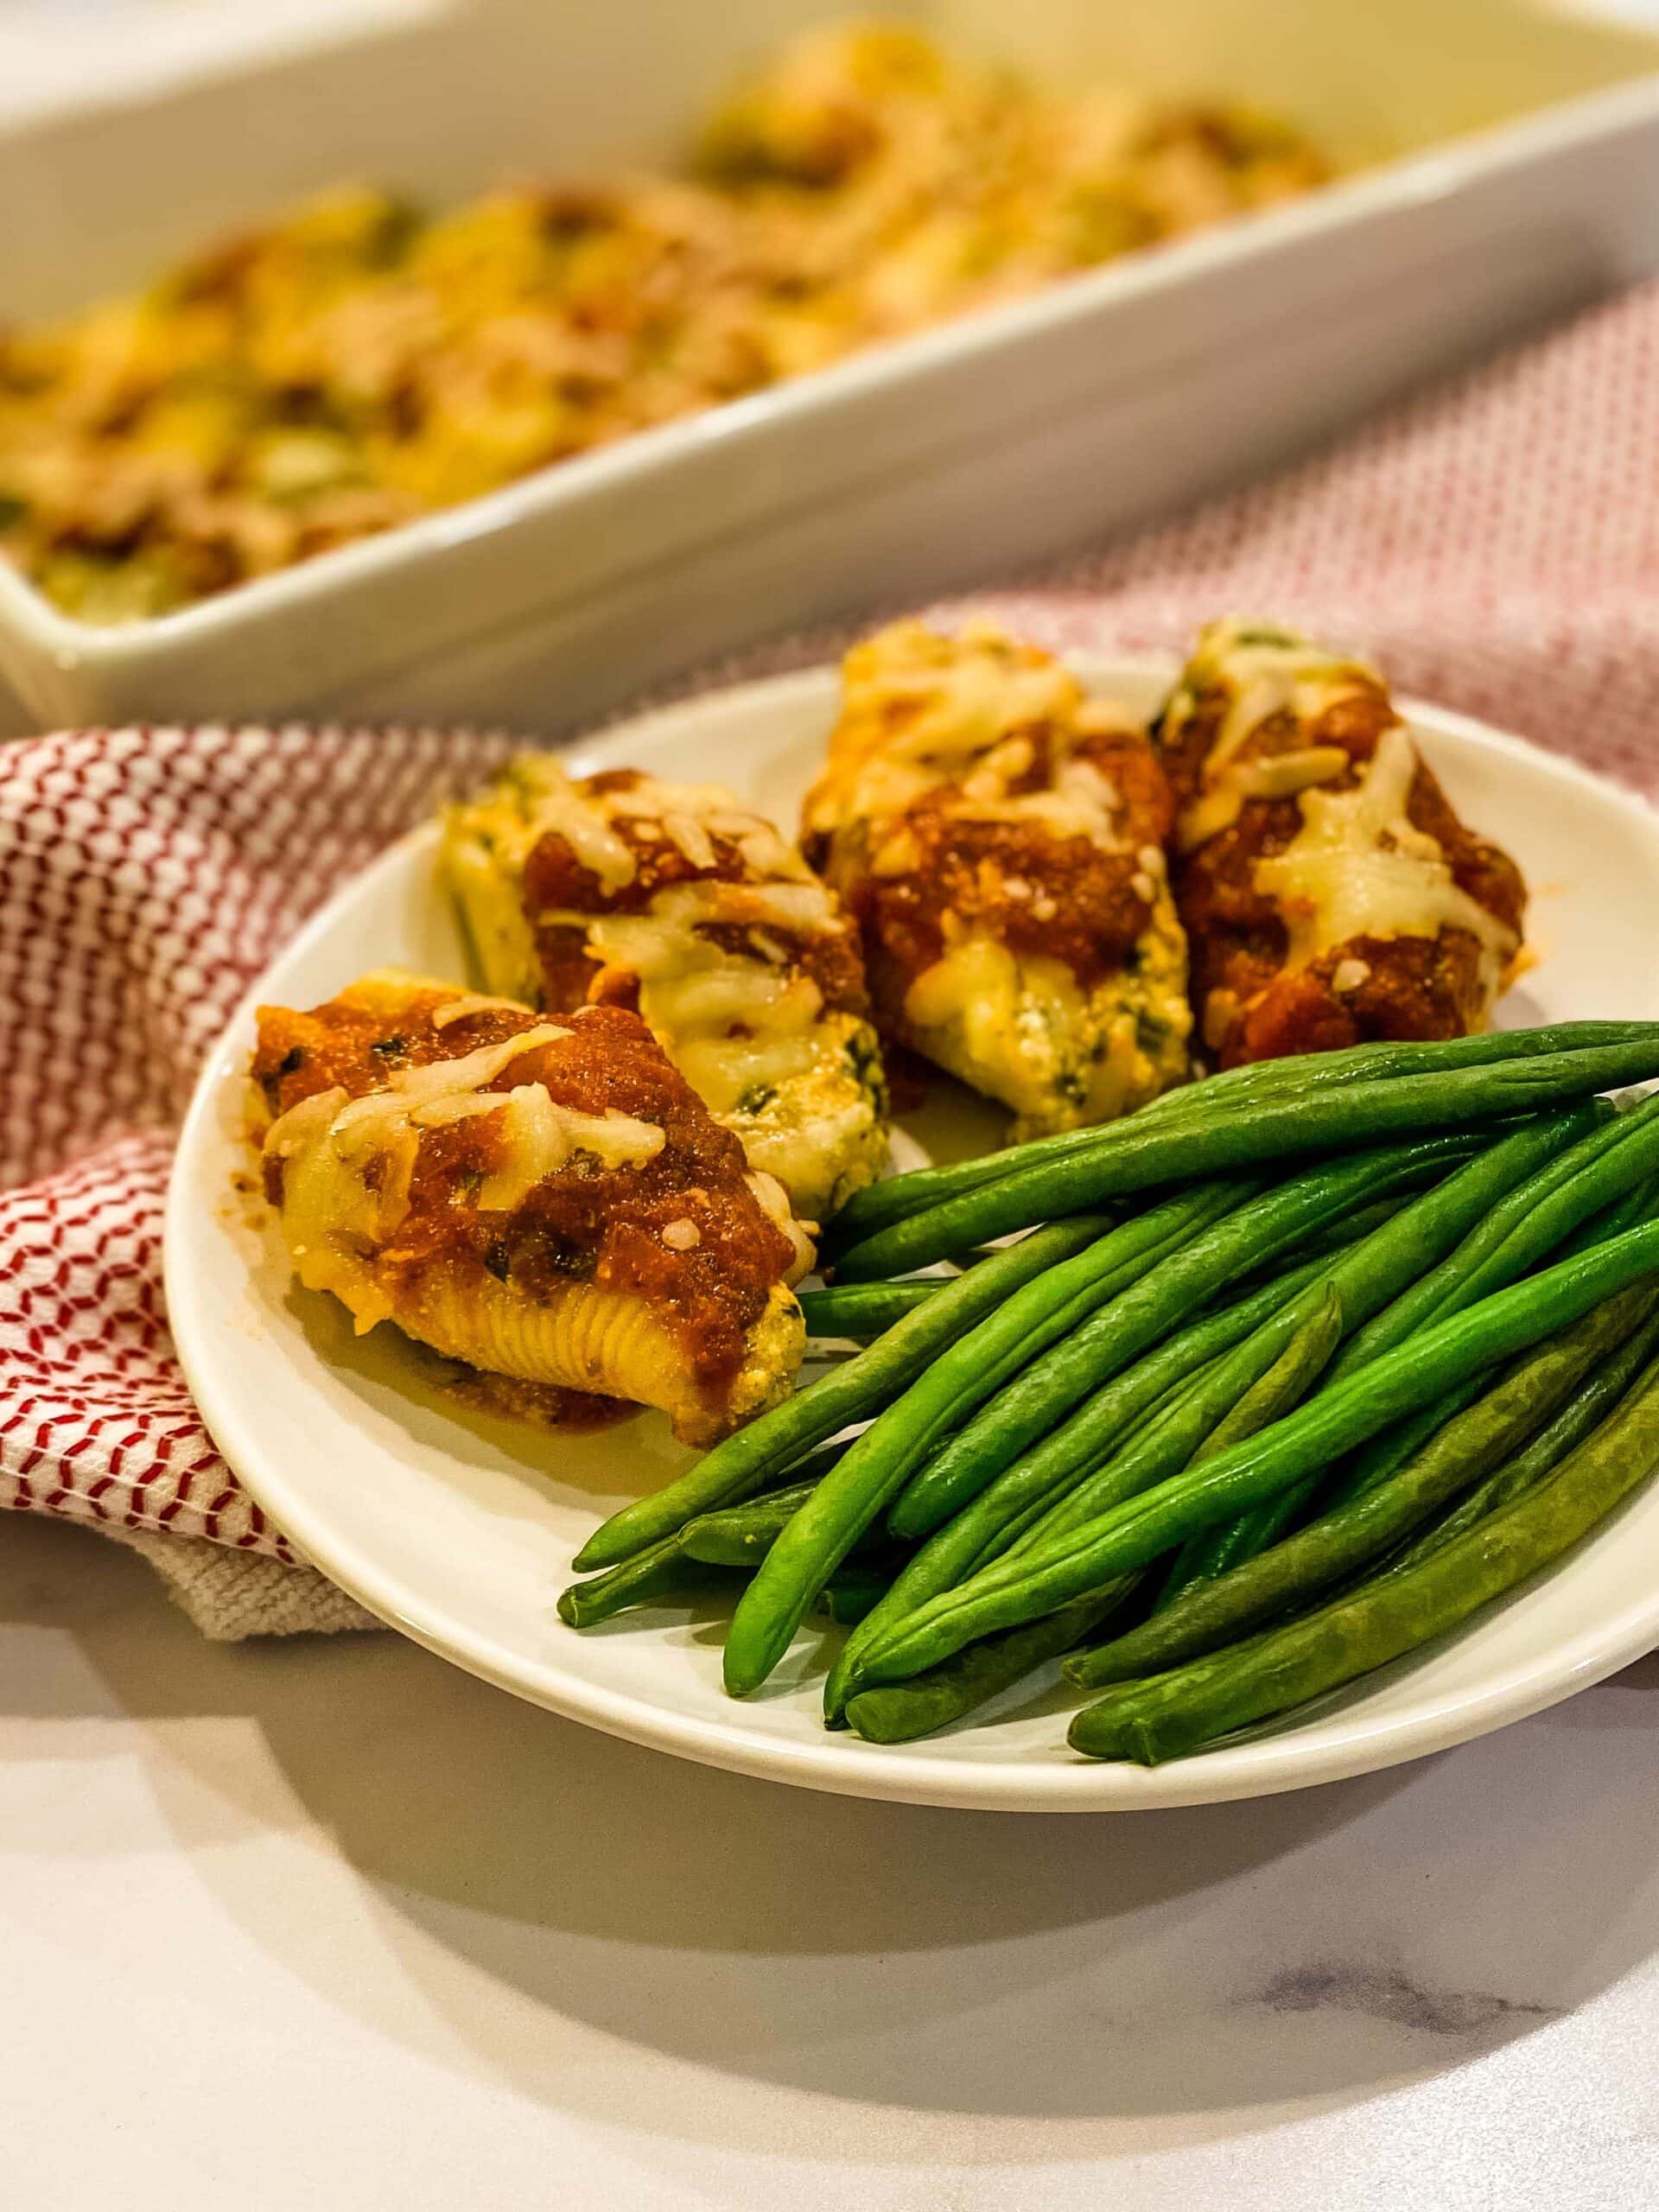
1310,1073
1385,1453
1358,1473
1554,1212
1015,1589
1366,1278
805,1473
1286,1383
900,1712
1106,1418
1628,1212
1118,1334
1373,1463
849,1596
961,1377
1126,1158
1021,1491
1585,1411
741,1536
772,1444
660,1575
1314,1342
1522,1227
1175,1714
864,1310
1340,1234
1284,1386
1309,1565
1217,1551
992,1537
604,1594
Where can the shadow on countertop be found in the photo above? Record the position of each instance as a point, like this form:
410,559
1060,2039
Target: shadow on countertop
1225,1967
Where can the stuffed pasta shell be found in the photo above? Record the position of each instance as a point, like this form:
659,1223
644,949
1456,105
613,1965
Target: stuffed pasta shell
548,1201
999,837
1330,892
675,902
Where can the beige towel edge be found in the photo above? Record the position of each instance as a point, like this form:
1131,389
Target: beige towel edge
231,1595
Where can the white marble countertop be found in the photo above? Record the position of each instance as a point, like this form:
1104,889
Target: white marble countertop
330,1925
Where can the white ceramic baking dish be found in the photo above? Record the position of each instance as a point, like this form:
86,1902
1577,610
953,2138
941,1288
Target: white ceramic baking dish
1515,149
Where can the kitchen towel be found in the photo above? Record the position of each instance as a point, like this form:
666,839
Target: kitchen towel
1493,543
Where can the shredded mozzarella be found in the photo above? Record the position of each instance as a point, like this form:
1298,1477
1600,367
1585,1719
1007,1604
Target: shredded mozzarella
1269,671
1282,775
965,720
731,1023
1359,867
472,1002
560,808
348,1163
685,831
774,1201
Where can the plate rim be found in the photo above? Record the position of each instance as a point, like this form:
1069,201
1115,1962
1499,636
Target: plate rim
1268,1765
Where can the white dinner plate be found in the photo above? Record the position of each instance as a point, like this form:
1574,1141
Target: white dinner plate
460,1530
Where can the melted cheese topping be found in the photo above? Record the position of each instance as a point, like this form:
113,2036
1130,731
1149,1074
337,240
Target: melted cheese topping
774,1201
1082,802
1269,671
537,1138
749,1031
685,831
472,1002
694,994
536,798
1282,775
559,808
897,854
1265,673
978,727
1359,867
348,1162
922,711
964,703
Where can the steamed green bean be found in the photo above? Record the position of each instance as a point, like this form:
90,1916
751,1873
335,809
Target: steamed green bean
865,1309
1306,1565
1366,1277
771,1445
1116,1334
1178,1713
1016,1589
1230,1093
1113,1415
1595,1398
901,1711
1284,1386
844,1505
1130,1157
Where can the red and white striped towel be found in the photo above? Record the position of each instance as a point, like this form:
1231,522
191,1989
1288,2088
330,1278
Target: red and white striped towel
1493,543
